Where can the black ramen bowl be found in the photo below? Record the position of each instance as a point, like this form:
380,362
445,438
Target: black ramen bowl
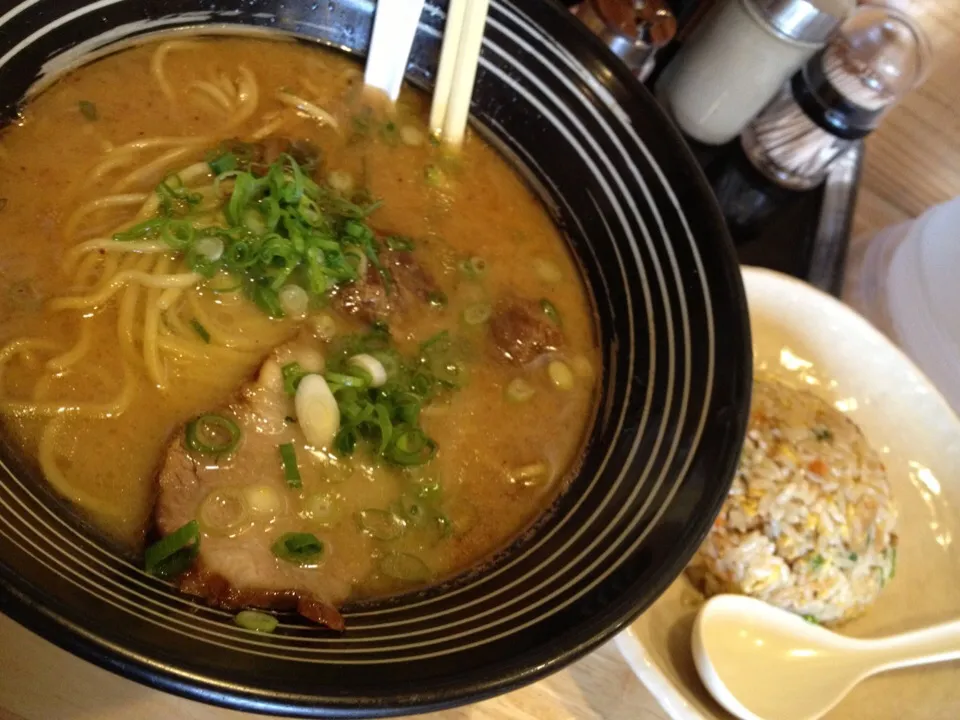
672,323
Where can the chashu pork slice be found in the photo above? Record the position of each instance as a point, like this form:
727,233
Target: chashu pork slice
236,566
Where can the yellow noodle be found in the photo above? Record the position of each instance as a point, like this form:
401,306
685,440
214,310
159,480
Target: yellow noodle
143,173
204,103
141,247
229,336
168,298
308,108
111,201
156,65
42,389
213,91
115,159
118,281
76,353
128,311
47,455
108,266
108,409
248,94
194,350
151,352
270,128
310,87
23,346
175,323
225,84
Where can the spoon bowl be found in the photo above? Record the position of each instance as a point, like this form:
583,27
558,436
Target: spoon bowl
763,663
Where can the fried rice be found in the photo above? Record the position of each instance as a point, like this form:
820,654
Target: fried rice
809,525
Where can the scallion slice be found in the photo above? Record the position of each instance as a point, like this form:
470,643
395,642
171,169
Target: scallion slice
437,298
291,471
398,242
474,267
293,373
298,548
477,314
212,434
175,553
380,524
550,310
89,110
200,330
404,566
256,621
344,380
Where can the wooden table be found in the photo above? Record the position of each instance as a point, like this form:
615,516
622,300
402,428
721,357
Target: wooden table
912,162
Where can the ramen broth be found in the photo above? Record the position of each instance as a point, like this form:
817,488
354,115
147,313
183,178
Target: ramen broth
108,351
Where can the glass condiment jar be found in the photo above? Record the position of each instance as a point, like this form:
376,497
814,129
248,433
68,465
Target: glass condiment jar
738,58
838,97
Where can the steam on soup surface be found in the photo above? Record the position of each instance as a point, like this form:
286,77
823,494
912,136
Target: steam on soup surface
330,359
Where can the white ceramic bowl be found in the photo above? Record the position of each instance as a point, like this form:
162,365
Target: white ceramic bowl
806,338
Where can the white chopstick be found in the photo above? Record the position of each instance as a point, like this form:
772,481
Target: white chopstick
457,71
394,27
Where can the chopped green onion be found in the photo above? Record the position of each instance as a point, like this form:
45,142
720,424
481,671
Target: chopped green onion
298,548
200,330
411,447
811,619
390,133
291,471
413,511
519,390
89,110
477,314
547,271
853,557
225,163
443,524
380,524
433,175
474,267
293,373
175,553
550,310
822,433
560,375
817,561
398,242
429,492
178,234
437,298
404,566
893,562
212,435
256,621
344,380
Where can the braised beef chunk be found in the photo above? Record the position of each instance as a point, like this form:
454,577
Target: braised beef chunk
521,331
238,567
376,298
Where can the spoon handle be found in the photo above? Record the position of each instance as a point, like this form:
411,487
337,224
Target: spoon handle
937,643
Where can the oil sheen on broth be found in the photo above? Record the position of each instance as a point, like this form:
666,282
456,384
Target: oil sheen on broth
126,312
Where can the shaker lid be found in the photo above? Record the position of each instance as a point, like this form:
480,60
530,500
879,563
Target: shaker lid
806,21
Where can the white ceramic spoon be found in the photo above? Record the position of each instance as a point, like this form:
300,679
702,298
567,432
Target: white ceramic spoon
762,663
